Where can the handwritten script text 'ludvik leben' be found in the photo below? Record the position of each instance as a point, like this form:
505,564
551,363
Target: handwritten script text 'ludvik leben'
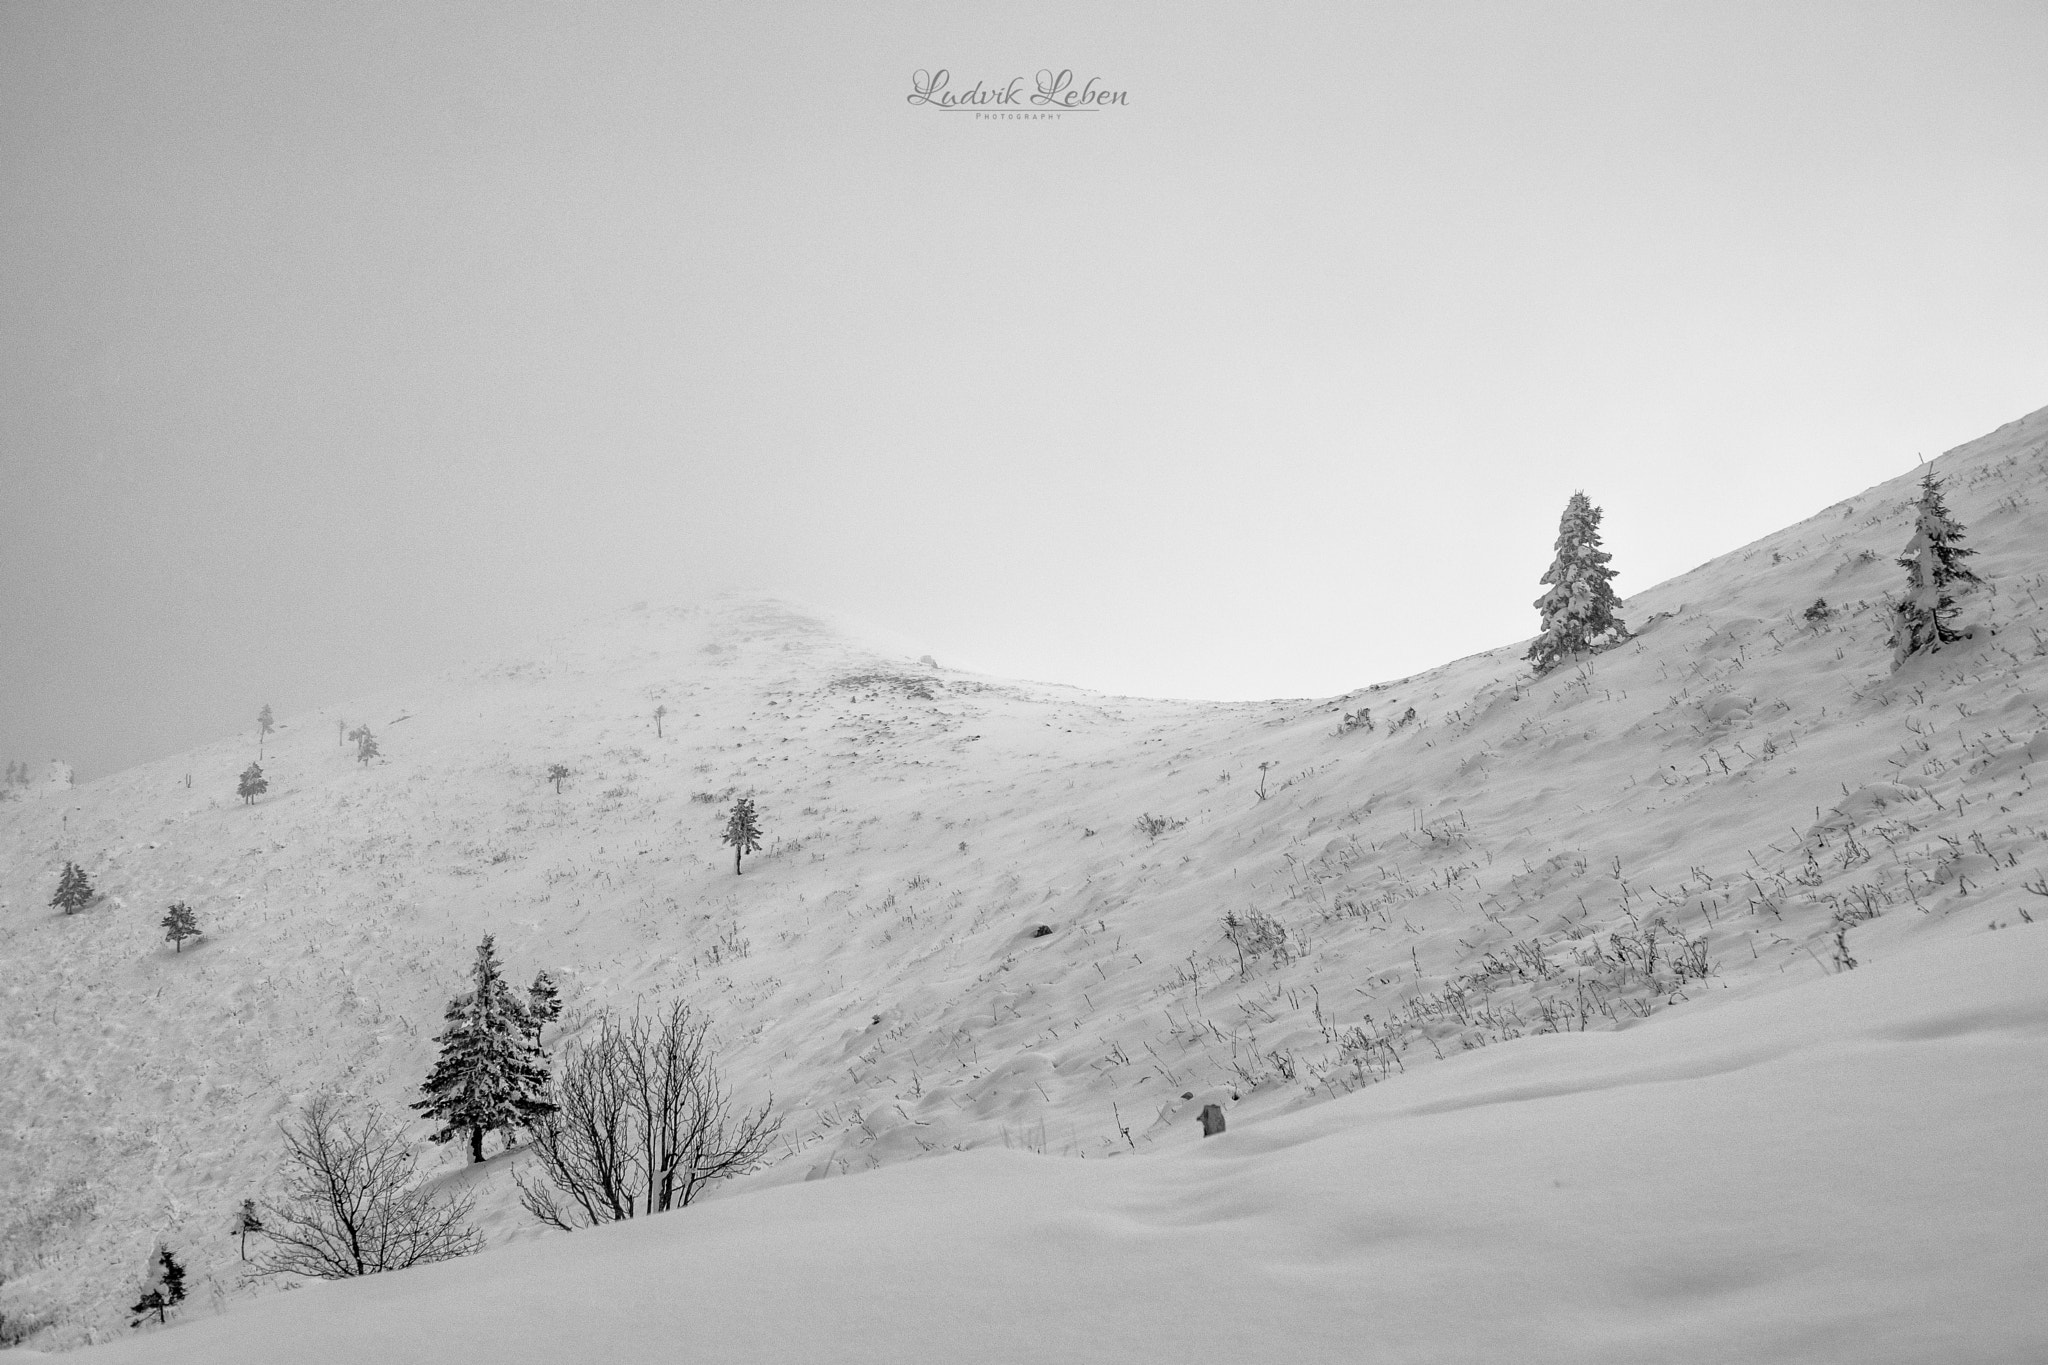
1050,90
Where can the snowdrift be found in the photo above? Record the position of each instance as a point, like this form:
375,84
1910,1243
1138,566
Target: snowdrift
1843,1170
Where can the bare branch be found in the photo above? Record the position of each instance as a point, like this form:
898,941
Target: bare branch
642,1124
353,1205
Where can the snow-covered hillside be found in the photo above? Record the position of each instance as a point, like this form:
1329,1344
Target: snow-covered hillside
959,936
1846,1171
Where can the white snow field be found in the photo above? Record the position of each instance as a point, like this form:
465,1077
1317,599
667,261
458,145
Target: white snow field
1536,1028
1847,1170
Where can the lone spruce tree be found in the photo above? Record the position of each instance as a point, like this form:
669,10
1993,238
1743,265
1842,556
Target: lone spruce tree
1921,620
742,831
253,784
74,890
265,723
491,1074
1579,610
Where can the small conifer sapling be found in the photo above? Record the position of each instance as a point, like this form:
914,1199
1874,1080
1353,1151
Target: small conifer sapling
659,712
1578,613
1922,620
180,924
247,1220
74,890
163,1285
742,831
366,744
543,1004
558,774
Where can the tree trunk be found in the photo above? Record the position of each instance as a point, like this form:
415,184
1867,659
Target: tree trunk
735,860
476,1144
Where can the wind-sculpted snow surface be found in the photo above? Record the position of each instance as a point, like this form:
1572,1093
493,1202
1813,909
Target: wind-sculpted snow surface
1846,1170
961,930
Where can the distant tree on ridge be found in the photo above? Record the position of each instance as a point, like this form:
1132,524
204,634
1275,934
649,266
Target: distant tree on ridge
265,723
1578,613
1921,619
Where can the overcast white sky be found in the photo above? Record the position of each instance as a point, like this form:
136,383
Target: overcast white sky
341,341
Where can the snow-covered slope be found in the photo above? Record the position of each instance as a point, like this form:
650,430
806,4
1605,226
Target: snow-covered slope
1737,792
1845,1171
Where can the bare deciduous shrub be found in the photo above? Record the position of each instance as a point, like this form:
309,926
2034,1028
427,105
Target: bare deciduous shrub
642,1124
353,1203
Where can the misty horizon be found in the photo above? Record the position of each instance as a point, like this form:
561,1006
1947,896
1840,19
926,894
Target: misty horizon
344,345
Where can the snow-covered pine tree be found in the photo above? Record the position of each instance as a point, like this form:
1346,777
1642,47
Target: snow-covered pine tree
179,925
366,744
1578,613
543,1004
253,784
742,831
1932,561
265,723
247,1220
491,1074
558,774
163,1285
74,890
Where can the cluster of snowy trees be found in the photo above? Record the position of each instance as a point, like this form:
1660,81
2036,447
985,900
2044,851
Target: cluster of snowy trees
75,891
639,1121
1580,614
253,784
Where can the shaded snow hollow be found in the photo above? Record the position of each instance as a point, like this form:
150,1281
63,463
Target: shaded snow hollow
1615,1157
